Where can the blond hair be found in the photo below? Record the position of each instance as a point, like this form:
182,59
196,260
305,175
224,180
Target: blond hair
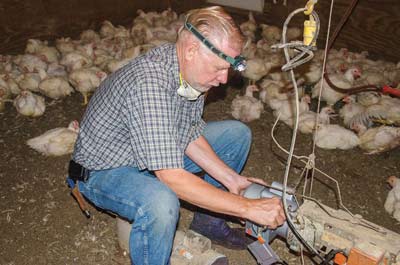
213,22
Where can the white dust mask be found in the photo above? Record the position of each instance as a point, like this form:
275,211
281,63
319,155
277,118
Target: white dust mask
187,91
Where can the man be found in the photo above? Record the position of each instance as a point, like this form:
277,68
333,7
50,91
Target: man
142,138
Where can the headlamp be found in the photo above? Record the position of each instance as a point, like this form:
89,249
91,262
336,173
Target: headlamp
238,63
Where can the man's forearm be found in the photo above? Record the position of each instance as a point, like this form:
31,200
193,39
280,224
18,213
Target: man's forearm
204,156
193,189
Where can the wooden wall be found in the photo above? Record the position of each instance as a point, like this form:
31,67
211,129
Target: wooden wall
373,26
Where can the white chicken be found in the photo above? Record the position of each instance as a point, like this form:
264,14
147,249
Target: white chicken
270,90
350,110
272,34
86,80
57,141
287,108
107,29
65,45
247,108
314,72
392,203
249,27
4,94
29,104
378,139
141,33
54,87
344,81
75,60
386,111
29,81
293,33
40,48
308,120
256,69
30,63
89,36
333,136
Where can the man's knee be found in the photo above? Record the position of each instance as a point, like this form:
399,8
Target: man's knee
239,131
164,208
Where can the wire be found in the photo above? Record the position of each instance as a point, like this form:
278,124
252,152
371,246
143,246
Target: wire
290,65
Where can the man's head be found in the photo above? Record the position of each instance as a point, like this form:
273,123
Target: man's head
199,66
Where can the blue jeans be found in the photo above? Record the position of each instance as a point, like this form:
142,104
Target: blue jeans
139,197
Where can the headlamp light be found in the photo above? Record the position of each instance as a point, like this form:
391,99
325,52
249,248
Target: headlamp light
238,63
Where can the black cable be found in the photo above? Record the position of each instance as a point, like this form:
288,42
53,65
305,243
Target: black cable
330,256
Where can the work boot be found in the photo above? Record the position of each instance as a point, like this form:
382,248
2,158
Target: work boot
219,232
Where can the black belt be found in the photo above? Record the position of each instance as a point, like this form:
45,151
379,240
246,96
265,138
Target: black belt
77,172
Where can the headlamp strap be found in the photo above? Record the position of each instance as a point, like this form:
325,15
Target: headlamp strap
235,62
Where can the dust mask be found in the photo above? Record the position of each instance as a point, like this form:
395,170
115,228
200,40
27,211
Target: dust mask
187,91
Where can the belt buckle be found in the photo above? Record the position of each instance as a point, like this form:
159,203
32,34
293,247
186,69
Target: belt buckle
84,174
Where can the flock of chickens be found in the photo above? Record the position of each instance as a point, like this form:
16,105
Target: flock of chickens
54,72
369,120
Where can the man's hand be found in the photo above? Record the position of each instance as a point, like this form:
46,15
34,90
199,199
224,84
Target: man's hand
243,182
266,211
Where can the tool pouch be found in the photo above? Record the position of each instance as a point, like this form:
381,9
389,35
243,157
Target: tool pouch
76,172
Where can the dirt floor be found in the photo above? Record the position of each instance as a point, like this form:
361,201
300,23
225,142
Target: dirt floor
40,223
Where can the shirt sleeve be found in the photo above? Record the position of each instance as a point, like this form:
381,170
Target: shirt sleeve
156,140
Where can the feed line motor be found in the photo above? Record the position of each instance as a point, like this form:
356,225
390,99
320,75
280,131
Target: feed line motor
340,238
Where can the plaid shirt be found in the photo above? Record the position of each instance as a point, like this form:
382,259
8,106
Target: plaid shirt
136,117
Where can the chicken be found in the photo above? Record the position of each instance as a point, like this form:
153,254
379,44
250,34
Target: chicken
4,94
247,108
141,33
386,111
56,69
29,81
333,136
308,120
293,33
86,80
372,78
344,81
54,87
107,29
29,104
75,60
249,27
392,203
256,69
56,142
30,63
314,72
350,110
272,34
39,48
89,36
378,139
287,108
65,45
271,90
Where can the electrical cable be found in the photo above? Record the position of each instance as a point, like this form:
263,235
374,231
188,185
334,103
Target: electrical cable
289,66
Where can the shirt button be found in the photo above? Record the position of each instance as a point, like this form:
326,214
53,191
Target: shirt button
193,123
